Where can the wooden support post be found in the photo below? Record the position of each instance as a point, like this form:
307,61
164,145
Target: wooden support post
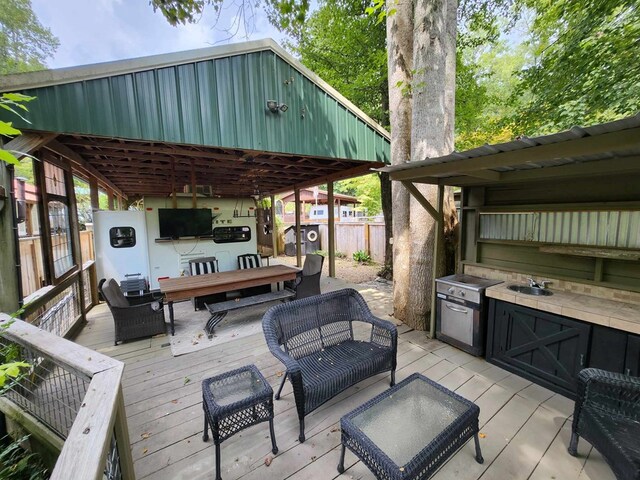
94,194
194,198
298,244
437,251
331,226
110,200
274,227
174,199
367,239
122,434
76,247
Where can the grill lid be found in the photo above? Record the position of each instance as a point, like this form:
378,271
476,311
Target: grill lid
469,282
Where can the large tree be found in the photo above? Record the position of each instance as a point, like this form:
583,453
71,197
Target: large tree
24,43
586,68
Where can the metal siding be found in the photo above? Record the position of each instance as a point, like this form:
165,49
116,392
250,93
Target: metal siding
169,106
219,102
226,103
208,97
616,229
126,113
189,102
147,105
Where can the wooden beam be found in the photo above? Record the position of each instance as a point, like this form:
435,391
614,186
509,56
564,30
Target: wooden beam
110,200
57,147
28,142
174,199
420,198
94,193
274,227
298,244
194,193
437,251
607,142
331,224
362,169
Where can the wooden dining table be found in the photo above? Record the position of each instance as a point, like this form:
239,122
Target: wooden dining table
184,288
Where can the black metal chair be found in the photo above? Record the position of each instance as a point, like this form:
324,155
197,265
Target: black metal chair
203,266
314,339
607,415
307,283
252,260
141,316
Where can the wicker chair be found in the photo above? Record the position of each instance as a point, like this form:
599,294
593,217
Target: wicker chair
252,260
133,318
307,283
607,415
203,266
314,339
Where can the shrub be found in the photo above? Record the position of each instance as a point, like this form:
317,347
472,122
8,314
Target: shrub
18,464
361,257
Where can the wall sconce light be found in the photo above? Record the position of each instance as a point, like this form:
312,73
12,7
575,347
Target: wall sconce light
274,106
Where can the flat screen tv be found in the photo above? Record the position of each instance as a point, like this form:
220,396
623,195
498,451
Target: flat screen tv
184,222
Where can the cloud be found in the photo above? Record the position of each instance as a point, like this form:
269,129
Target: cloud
105,30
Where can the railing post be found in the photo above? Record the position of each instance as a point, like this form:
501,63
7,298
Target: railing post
124,444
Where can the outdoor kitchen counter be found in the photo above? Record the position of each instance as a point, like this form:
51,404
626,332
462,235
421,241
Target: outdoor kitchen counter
600,311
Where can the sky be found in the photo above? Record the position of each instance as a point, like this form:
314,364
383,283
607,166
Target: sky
93,31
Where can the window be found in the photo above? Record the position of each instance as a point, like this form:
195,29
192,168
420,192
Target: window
122,237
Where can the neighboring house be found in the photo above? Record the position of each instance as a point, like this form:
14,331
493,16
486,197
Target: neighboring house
314,206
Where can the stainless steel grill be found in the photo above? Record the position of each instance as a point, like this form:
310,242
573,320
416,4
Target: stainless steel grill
461,313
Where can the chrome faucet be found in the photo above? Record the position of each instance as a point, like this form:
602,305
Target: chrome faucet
542,284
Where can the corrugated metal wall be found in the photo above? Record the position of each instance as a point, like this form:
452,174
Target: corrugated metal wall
220,102
619,229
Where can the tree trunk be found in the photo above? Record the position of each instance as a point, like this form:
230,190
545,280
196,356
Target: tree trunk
387,212
431,136
400,63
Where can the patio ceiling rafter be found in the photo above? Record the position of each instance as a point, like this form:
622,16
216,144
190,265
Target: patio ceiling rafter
137,168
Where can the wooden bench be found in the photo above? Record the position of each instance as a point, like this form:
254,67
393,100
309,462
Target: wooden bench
219,310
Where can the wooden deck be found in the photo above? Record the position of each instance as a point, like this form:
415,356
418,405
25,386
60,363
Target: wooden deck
525,428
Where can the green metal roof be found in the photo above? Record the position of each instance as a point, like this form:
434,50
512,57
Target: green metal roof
214,97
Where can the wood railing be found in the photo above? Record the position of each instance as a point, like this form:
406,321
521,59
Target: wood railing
72,393
60,309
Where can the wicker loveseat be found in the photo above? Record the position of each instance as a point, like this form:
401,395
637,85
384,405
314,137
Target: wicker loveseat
607,415
314,338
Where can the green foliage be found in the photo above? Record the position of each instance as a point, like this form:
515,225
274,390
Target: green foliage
340,255
586,68
18,464
347,49
362,257
12,102
322,253
366,188
24,43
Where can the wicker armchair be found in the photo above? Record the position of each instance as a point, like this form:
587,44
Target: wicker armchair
307,283
607,415
314,339
133,318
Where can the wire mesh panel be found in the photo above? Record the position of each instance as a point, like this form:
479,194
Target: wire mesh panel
112,469
59,313
48,391
86,282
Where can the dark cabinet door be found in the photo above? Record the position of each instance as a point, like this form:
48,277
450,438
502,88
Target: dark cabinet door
608,349
632,364
548,349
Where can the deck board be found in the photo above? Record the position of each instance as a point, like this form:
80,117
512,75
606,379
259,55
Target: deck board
526,426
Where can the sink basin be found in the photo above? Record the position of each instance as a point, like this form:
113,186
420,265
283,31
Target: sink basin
530,290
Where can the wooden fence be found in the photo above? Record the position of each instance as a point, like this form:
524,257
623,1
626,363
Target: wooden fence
353,236
32,261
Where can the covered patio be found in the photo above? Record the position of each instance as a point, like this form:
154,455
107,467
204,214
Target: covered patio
525,428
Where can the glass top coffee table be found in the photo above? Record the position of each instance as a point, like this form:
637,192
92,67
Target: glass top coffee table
410,430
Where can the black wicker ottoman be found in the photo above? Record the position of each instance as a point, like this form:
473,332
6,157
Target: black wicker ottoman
410,430
234,401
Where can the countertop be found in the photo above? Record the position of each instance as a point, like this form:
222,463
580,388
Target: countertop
600,311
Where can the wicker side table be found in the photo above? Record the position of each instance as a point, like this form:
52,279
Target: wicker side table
234,401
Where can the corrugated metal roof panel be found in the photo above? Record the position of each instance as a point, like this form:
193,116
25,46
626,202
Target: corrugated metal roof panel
218,102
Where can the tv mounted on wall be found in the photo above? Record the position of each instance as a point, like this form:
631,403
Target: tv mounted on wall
184,222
